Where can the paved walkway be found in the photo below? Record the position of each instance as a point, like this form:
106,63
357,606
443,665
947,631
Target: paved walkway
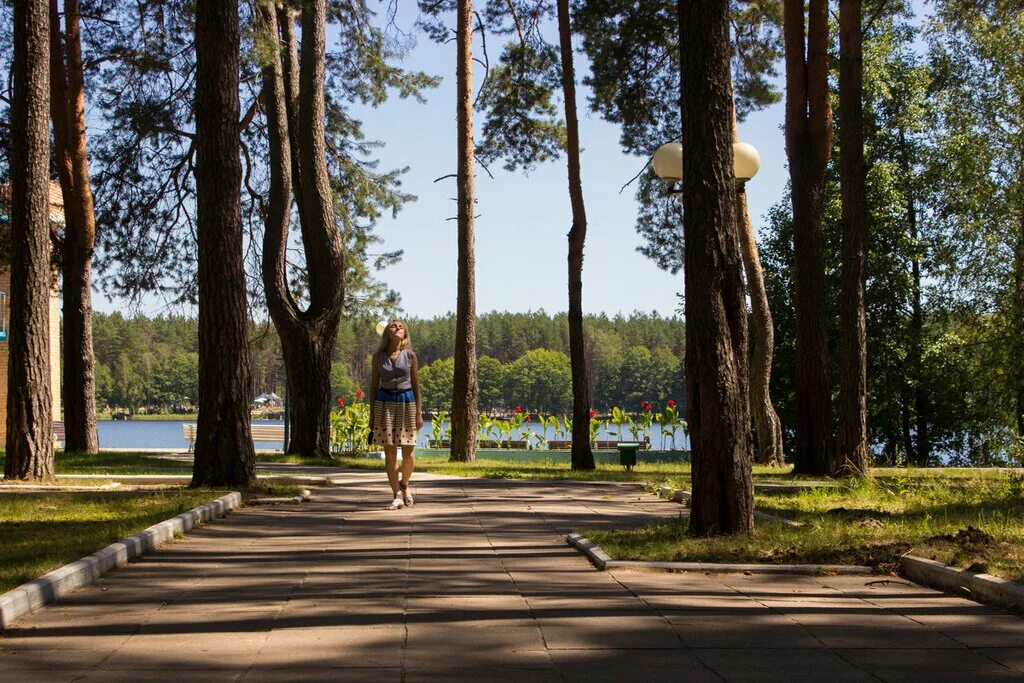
476,583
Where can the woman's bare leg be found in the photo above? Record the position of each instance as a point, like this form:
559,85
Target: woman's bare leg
391,464
408,463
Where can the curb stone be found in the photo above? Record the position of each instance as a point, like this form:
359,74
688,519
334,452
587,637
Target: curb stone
980,587
61,581
301,498
602,561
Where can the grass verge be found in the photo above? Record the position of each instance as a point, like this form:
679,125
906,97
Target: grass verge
40,532
971,522
110,462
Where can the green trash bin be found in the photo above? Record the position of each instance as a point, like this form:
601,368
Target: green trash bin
627,455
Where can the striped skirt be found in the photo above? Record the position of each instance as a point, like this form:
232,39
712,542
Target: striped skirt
394,418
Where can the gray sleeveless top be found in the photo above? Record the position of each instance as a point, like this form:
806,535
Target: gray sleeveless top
395,375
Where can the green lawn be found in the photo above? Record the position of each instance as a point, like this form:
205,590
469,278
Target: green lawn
107,462
964,519
40,532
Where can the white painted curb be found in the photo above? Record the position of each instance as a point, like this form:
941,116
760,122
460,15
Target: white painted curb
981,587
47,588
602,561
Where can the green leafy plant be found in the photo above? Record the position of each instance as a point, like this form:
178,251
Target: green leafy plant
350,427
439,430
618,418
595,427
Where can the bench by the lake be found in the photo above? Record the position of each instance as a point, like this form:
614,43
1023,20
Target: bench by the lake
259,433
556,445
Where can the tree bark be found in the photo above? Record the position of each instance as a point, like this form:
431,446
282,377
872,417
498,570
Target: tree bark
922,444
466,390
1018,302
853,457
224,454
297,150
29,398
766,420
716,312
67,107
582,455
808,144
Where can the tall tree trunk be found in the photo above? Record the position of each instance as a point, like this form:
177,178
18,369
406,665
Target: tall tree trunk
294,92
1018,302
716,311
29,398
67,107
852,451
582,456
766,420
908,444
464,401
808,144
922,449
224,454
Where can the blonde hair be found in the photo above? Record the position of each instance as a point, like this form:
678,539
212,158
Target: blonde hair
385,337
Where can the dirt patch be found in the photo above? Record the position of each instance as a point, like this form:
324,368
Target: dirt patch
883,557
970,540
971,548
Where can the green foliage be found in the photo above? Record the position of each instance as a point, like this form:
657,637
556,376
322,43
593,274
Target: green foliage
521,122
150,364
342,383
540,380
350,427
143,158
436,382
490,374
634,78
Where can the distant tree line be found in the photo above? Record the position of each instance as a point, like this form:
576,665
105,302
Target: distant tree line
152,364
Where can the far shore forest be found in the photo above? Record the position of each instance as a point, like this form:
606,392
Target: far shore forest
150,365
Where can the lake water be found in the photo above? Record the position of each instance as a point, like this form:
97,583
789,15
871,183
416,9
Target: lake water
170,434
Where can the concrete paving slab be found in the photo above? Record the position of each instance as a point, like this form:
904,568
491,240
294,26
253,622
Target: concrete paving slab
333,647
307,675
475,583
619,632
613,666
781,665
1010,657
924,660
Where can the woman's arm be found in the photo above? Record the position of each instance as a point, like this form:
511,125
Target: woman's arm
416,391
374,383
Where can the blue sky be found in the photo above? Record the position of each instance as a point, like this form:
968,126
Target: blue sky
521,243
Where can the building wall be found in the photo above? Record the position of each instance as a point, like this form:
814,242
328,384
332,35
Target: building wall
5,285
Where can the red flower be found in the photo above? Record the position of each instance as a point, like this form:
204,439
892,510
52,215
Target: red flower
518,410
593,413
671,403
341,402
527,418
648,407
359,394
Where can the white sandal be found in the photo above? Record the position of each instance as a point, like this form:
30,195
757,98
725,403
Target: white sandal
396,503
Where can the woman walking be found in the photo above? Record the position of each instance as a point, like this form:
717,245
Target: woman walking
396,417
